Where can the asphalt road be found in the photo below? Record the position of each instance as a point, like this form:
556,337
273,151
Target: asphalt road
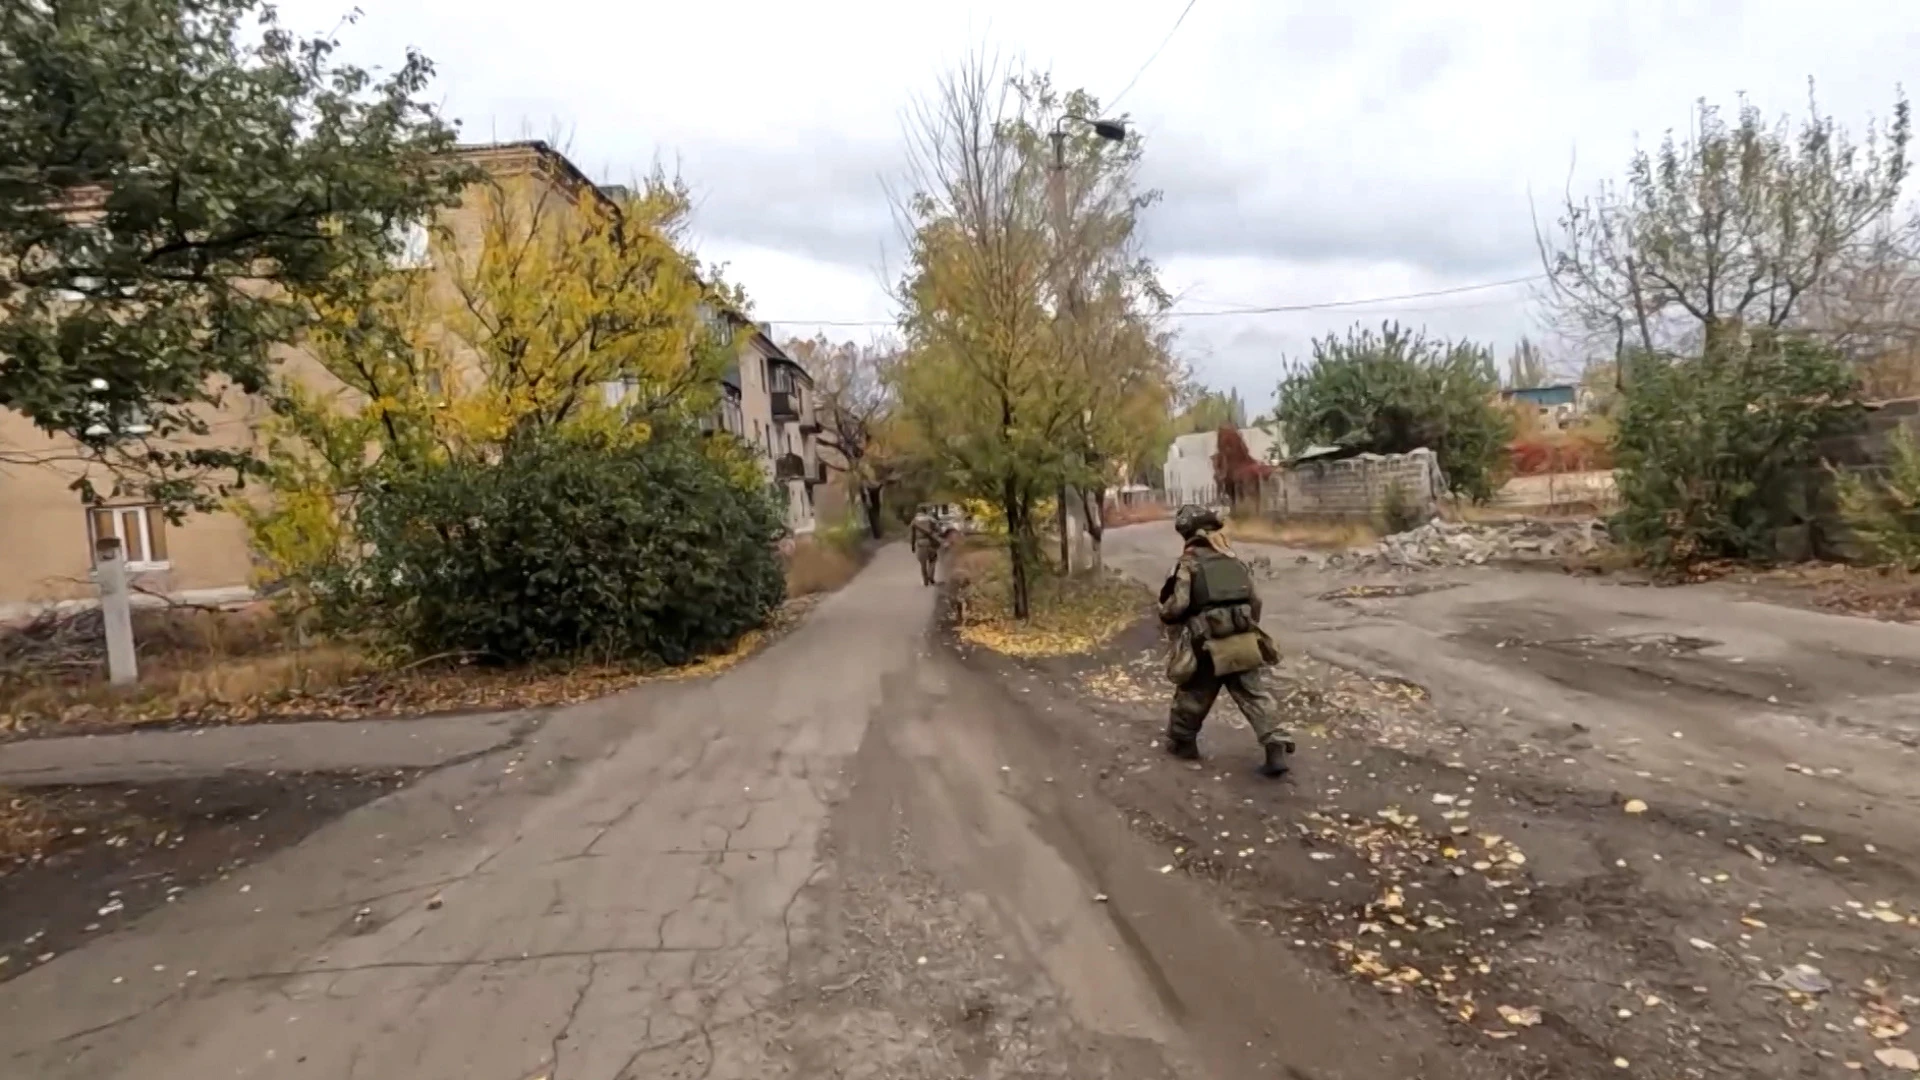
787,870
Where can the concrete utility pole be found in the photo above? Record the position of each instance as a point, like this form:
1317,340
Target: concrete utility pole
116,611
1112,131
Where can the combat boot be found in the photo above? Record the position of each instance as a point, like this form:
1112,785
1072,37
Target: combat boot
1184,747
1276,764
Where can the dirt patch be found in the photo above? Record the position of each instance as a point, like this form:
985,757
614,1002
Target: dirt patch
1500,910
1871,592
77,863
54,681
1309,535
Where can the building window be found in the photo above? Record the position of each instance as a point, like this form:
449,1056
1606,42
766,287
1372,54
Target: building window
132,421
415,246
142,531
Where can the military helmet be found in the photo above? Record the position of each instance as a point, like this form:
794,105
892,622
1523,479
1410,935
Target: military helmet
1191,520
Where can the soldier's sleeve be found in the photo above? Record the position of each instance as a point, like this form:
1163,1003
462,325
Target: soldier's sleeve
1173,607
1255,601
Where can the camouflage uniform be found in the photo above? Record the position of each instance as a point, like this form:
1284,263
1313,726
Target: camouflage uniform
924,536
1195,696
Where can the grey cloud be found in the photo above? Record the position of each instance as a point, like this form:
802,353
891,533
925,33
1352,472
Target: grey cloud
826,200
1317,211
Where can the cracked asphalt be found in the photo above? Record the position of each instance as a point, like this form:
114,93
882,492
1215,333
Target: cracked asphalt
740,876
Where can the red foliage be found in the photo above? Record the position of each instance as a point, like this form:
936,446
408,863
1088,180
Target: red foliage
1560,452
1236,475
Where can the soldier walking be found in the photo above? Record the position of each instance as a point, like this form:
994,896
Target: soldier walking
924,536
1212,611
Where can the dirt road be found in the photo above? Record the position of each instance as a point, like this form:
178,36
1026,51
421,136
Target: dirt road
1584,826
851,856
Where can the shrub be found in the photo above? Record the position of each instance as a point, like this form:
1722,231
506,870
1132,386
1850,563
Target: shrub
1712,450
570,546
1397,391
1884,517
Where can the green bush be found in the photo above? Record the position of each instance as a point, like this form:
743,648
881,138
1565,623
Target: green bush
1884,517
1715,452
568,547
1397,391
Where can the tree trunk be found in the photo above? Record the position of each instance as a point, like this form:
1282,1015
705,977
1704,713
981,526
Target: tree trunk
870,502
1019,539
1092,507
1060,522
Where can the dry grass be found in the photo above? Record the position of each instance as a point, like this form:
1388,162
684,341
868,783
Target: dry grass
1070,615
1120,514
1297,533
239,666
822,564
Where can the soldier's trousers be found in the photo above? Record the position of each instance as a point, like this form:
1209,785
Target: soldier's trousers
1195,697
929,556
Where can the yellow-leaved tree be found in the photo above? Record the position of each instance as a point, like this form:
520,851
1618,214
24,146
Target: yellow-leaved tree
542,305
1035,358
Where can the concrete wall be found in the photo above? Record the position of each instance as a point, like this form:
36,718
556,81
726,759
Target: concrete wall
1866,453
1354,487
1594,488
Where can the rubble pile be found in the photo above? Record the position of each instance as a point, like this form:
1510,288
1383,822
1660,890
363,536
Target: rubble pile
1451,543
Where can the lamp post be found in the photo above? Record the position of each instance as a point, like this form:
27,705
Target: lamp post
1111,131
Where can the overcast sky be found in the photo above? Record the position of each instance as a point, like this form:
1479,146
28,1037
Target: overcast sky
1305,155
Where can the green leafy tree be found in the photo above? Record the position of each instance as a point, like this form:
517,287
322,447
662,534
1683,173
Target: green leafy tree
1715,452
1396,391
175,175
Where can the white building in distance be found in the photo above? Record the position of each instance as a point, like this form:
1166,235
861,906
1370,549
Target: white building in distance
1188,475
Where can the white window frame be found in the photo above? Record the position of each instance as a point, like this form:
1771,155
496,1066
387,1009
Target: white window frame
416,246
118,515
136,418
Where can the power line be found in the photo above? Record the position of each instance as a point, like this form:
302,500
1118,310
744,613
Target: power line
1108,107
1275,309
1326,304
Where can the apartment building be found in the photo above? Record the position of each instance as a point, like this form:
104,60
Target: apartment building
768,401
47,534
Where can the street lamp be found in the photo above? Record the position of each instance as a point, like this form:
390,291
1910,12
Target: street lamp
1110,130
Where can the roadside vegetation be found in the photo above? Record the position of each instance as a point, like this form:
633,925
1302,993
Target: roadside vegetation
1071,614
457,513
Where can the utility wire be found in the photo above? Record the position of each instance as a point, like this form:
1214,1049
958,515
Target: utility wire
1275,309
1109,106
1326,304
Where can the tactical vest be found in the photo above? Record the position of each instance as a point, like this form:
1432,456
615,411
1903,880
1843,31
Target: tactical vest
1219,580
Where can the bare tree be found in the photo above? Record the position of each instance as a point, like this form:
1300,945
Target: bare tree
1740,224
856,401
1527,366
1872,312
